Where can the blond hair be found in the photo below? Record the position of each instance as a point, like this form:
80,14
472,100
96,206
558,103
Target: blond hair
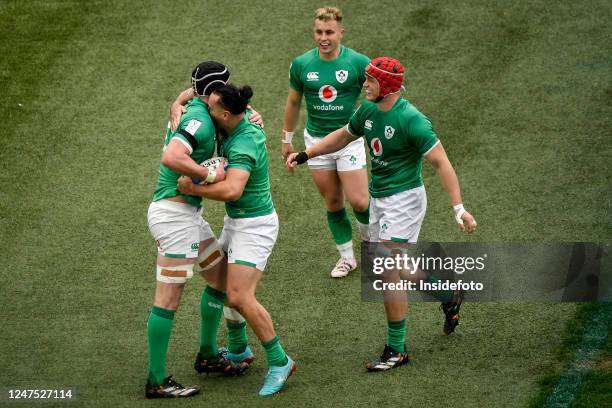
328,13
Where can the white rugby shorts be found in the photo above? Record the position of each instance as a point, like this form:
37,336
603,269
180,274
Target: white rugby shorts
249,241
177,228
398,217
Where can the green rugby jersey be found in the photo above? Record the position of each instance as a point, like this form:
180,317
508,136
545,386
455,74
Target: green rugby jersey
330,88
197,131
245,148
398,139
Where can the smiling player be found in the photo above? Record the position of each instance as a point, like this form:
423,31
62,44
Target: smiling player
399,137
330,78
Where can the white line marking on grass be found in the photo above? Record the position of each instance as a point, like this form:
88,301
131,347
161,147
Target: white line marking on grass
593,339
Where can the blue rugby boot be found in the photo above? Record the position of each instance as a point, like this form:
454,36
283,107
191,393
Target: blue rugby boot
246,356
277,377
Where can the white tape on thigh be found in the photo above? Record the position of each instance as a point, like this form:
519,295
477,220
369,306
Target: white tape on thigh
211,256
174,274
231,314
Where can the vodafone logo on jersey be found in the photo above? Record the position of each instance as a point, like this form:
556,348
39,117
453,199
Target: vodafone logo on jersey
376,146
328,93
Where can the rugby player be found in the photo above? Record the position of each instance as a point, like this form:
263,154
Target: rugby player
330,78
237,349
251,225
185,242
399,136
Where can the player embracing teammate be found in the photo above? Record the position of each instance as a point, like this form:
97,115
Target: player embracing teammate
186,244
330,78
250,226
185,241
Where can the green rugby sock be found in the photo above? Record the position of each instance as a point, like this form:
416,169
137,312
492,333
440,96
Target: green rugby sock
441,295
362,216
340,226
159,329
236,337
275,354
211,310
396,334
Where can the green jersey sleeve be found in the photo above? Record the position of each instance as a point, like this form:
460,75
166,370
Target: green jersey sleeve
423,136
243,157
194,133
295,81
355,125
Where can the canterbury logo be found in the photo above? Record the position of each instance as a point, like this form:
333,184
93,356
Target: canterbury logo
312,76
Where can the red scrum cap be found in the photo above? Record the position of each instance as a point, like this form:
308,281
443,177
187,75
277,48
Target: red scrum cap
389,73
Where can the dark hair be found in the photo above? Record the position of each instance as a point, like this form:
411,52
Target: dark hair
233,99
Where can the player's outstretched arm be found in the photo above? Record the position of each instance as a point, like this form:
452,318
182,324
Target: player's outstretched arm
229,189
290,118
439,160
333,142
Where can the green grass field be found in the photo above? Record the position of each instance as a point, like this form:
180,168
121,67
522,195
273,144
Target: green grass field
520,94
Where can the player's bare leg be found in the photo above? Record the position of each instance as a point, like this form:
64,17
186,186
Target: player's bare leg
159,328
396,306
237,349
242,281
212,266
329,186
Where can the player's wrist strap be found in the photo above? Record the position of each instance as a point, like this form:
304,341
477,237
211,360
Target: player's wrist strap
301,157
459,211
287,137
212,175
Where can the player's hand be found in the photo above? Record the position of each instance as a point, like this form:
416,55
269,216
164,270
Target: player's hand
290,161
255,117
286,150
467,218
176,111
216,171
296,158
185,185
220,176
